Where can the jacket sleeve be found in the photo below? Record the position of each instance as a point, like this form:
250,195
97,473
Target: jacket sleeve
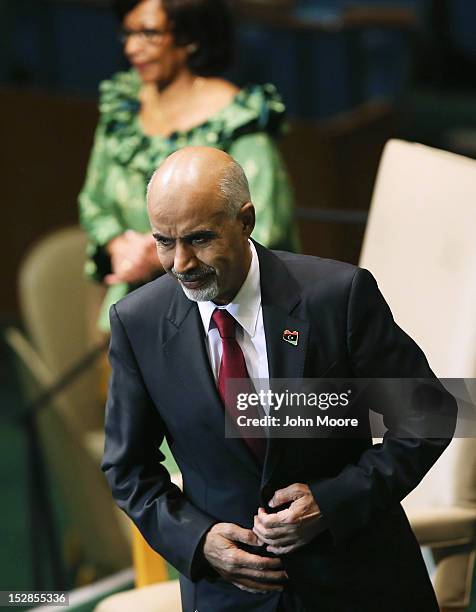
387,472
133,466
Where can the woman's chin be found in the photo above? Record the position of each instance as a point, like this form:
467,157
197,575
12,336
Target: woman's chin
148,73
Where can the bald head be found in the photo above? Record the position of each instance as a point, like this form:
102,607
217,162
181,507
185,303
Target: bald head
201,217
199,171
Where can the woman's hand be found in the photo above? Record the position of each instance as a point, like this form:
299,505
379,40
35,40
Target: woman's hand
133,258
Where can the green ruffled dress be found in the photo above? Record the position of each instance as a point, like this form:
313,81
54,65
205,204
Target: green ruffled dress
123,159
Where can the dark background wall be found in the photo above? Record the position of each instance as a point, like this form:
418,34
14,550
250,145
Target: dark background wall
328,58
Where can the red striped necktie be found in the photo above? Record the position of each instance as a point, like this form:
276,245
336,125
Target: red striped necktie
233,365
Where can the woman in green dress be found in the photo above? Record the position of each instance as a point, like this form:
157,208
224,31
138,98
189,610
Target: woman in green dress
167,100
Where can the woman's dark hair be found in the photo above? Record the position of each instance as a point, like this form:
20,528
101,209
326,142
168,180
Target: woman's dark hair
207,24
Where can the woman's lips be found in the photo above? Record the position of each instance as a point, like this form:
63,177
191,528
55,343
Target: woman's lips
143,66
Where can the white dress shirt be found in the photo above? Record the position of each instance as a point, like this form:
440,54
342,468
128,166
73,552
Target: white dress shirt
246,310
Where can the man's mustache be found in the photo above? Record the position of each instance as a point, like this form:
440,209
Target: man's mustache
195,275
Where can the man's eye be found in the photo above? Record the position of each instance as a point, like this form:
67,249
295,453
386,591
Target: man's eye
200,241
164,242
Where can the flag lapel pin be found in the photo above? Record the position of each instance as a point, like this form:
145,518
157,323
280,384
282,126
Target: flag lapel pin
292,337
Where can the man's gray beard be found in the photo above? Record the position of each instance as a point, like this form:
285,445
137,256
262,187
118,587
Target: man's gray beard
205,294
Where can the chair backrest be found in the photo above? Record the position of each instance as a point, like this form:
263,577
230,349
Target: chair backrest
59,308
420,245
332,164
92,520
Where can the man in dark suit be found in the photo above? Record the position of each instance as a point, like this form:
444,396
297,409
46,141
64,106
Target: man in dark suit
267,525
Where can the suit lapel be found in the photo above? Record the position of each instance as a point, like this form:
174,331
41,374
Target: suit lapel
285,360
280,295
188,359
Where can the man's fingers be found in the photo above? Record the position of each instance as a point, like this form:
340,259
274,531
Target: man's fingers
277,536
256,587
284,540
260,581
244,569
239,534
268,520
269,535
284,550
280,519
242,559
287,495
246,588
263,577
289,529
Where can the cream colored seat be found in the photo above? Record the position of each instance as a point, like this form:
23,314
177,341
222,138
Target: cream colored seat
96,542
59,310
420,244
160,597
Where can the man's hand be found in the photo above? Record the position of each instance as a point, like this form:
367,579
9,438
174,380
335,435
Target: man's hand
293,527
133,258
246,571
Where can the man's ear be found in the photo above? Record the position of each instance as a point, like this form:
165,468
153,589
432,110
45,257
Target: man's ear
247,217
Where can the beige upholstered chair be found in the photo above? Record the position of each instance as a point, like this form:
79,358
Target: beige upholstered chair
59,310
97,534
420,244
160,597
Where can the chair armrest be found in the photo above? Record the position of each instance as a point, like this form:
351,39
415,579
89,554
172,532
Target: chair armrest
442,527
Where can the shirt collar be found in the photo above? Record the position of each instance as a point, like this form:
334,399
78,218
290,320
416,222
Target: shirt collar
245,306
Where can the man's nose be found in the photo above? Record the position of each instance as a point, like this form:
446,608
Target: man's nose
184,259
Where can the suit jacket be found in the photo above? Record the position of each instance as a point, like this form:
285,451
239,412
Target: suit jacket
162,385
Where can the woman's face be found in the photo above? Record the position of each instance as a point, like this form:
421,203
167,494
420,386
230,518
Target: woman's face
149,43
